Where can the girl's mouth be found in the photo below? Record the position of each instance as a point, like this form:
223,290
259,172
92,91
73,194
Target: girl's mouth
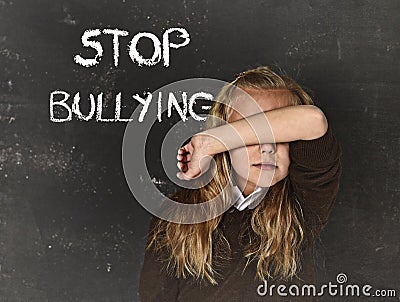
265,166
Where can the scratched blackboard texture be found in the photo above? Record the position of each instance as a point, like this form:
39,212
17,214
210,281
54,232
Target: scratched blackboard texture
70,230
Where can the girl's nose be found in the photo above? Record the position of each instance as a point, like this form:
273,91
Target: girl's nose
268,148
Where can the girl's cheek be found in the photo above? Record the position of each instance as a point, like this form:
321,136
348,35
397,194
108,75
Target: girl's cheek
282,154
239,159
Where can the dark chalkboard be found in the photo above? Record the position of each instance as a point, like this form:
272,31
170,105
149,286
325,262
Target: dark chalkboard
70,229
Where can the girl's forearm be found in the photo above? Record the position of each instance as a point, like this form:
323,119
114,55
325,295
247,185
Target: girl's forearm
302,122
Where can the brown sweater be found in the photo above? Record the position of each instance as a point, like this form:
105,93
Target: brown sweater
314,176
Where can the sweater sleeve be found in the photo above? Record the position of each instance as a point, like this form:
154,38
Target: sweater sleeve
314,173
155,283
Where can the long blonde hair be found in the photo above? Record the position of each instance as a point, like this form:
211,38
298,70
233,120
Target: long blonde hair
275,230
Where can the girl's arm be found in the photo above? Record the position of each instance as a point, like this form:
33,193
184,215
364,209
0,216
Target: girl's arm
287,124
314,174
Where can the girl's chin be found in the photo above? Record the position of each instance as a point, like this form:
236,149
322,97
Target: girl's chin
269,183
264,184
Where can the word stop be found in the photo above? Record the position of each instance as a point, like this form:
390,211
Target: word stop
161,48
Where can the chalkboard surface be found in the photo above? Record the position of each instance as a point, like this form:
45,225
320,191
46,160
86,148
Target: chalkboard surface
70,229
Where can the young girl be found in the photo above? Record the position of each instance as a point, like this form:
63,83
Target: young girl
260,243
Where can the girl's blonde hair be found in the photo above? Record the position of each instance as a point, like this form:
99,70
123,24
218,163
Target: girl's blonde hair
274,233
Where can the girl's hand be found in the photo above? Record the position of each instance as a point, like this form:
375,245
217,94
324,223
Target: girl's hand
194,158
